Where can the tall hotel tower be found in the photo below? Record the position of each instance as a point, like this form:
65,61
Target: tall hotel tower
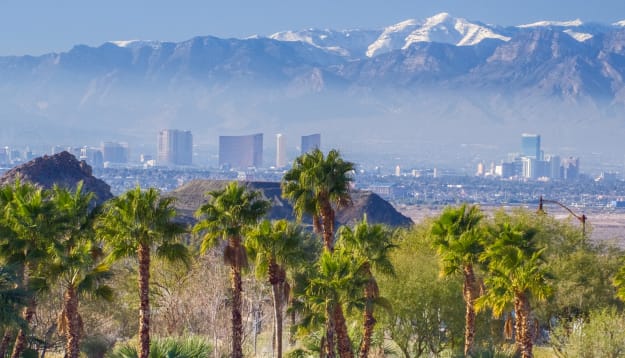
280,150
175,147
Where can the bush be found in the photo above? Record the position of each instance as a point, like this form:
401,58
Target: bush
190,347
601,335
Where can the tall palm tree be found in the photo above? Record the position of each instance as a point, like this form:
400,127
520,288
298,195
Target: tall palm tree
225,217
318,185
371,243
338,281
516,273
276,247
29,229
76,262
458,240
134,224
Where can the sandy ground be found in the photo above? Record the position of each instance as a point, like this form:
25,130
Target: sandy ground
605,226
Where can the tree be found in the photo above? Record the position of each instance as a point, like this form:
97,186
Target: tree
372,244
276,247
516,274
134,224
76,262
29,229
225,217
317,185
12,300
338,282
457,238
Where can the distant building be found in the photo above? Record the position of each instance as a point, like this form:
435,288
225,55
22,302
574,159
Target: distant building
569,168
114,152
530,146
554,167
241,151
280,151
93,157
310,142
175,147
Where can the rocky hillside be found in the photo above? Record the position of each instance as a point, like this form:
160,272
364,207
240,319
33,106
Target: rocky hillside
62,169
191,195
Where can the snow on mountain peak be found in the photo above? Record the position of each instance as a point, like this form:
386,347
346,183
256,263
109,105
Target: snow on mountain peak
439,28
619,23
572,23
579,36
136,43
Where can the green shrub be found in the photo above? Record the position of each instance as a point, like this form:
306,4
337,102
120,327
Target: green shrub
189,347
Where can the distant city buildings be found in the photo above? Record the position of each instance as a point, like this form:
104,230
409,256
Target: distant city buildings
530,146
175,147
531,163
241,151
114,152
281,161
310,142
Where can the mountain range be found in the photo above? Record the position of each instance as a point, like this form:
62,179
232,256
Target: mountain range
418,86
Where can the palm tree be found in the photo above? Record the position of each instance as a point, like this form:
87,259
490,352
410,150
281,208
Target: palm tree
12,300
457,238
338,281
134,224
77,262
275,247
317,185
371,243
225,217
516,273
29,229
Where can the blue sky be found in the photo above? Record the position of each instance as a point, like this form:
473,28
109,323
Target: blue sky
36,27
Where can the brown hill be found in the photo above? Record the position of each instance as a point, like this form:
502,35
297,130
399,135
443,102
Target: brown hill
190,196
62,169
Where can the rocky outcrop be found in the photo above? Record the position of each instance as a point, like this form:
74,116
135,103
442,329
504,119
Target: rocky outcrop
192,195
62,169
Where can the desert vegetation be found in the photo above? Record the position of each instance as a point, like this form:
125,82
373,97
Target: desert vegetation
126,279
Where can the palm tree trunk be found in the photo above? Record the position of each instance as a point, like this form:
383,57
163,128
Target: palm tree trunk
277,314
6,339
237,290
72,331
330,329
327,218
143,253
526,339
469,289
369,321
20,341
344,346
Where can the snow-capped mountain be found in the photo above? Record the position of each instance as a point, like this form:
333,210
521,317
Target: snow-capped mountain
441,28
347,43
227,82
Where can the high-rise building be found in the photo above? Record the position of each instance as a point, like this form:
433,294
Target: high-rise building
93,156
570,168
310,142
530,146
175,147
241,151
280,150
114,152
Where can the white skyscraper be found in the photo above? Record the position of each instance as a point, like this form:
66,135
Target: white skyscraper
280,150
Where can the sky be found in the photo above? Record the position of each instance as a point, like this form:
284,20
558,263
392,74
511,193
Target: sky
37,27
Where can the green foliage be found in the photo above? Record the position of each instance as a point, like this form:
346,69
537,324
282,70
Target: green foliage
427,313
602,334
228,213
188,347
137,218
515,264
457,237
